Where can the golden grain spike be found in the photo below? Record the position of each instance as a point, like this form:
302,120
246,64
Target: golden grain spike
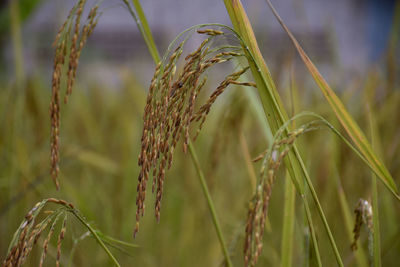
60,239
170,112
77,43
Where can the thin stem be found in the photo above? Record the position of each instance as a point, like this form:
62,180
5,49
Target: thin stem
273,105
146,31
375,204
96,236
375,217
312,231
143,26
210,204
288,223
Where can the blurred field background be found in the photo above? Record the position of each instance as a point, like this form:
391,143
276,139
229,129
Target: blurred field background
354,43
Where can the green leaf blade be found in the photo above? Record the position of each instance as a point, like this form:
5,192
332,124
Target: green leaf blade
344,117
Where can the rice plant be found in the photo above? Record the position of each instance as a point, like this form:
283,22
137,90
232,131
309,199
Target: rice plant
179,105
33,226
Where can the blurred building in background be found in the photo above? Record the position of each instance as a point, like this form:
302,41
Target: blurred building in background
349,34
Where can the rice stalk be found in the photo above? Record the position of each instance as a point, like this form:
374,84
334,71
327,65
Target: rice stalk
170,109
29,232
258,207
375,221
314,242
290,194
48,238
272,159
211,207
191,78
60,239
146,33
65,44
375,203
288,223
273,107
277,115
153,50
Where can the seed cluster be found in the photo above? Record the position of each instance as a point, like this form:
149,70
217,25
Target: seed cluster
63,44
29,233
170,111
258,207
60,239
363,213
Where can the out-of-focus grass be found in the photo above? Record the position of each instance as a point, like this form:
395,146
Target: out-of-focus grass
101,140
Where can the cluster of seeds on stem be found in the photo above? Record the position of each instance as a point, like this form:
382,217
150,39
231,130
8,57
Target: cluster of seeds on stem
258,207
170,110
60,239
29,233
63,43
363,212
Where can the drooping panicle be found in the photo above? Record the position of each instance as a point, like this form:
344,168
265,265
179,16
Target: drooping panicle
62,46
170,109
31,229
258,207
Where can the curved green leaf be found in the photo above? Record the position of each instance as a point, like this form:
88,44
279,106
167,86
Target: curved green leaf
347,121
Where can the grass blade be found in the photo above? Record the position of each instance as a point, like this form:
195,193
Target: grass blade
374,202
288,223
313,234
210,204
96,236
146,32
273,106
375,219
142,24
290,197
351,127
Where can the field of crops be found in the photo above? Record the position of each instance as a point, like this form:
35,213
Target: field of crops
215,161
